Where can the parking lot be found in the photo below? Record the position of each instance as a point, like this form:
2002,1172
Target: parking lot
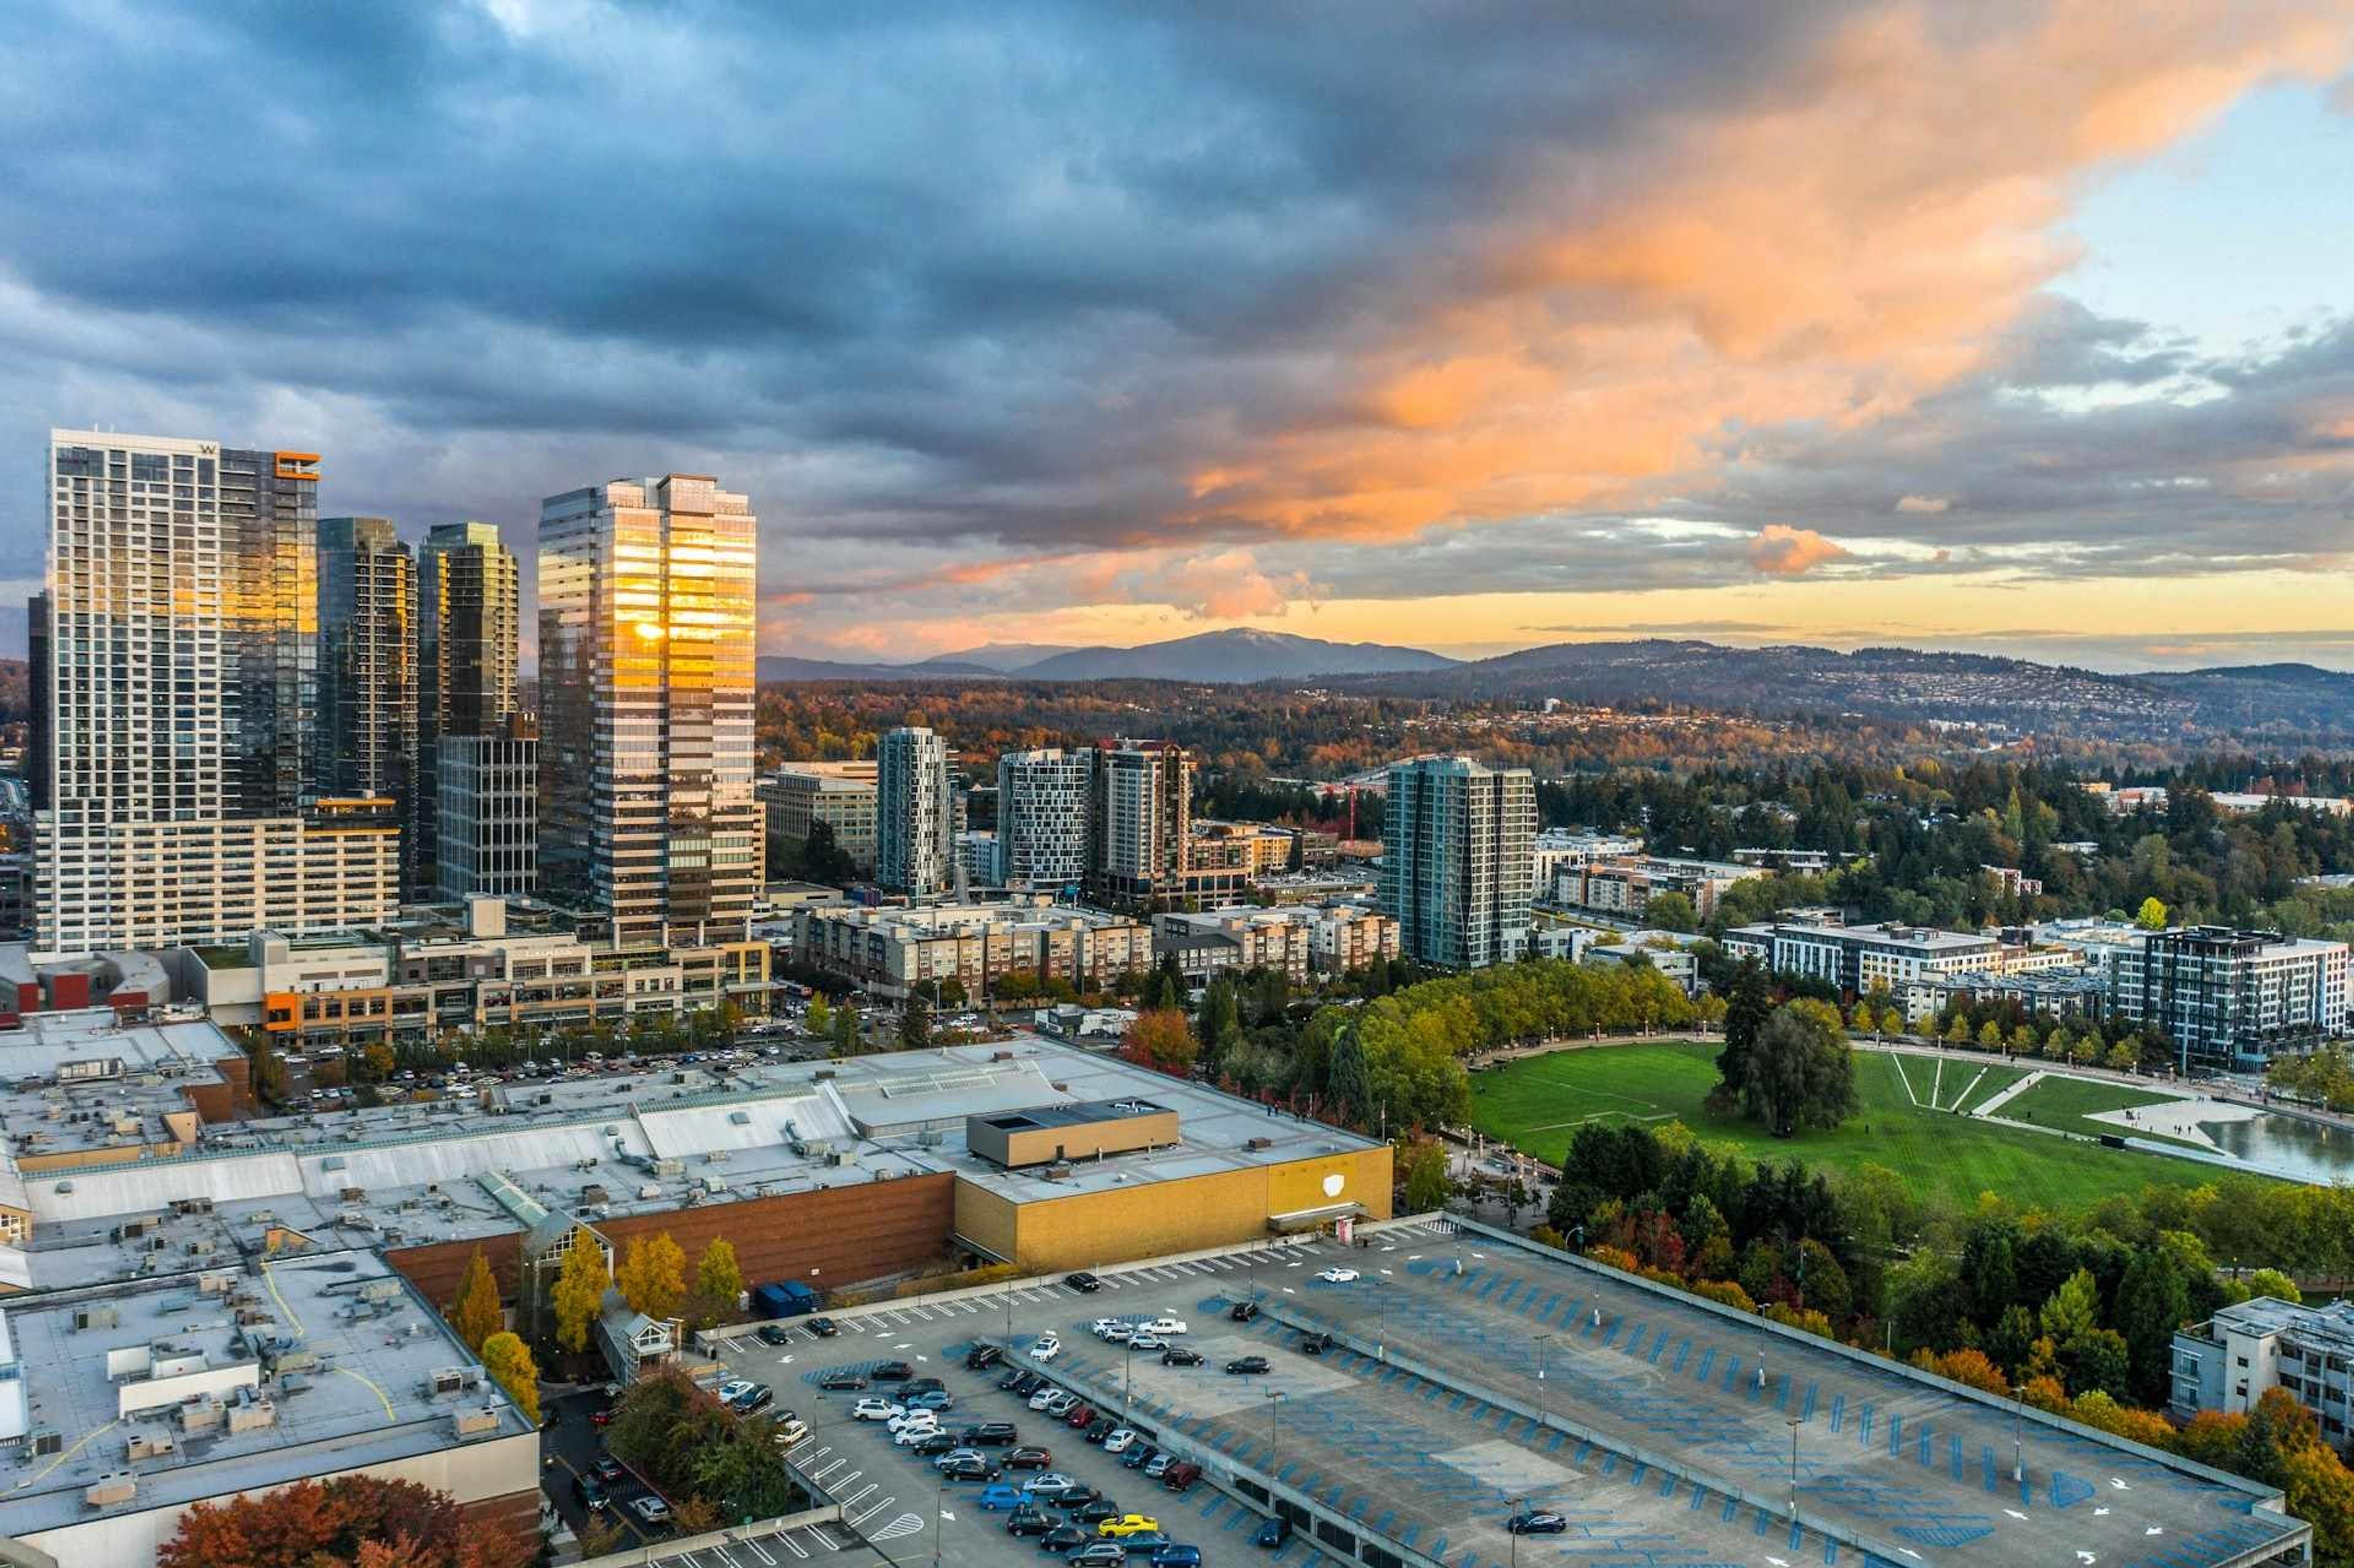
1682,1454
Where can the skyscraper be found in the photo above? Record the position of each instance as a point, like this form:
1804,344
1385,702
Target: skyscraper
1140,817
915,830
488,799
268,507
647,601
172,799
469,619
1041,818
365,727
1457,860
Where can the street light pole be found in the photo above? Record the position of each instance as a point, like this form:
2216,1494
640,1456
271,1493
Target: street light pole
1544,1413
1273,1397
939,1503
1127,1377
1793,1468
2017,1434
1520,1506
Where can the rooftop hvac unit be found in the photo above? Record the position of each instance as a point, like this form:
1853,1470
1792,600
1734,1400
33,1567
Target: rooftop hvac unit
114,1486
449,1380
96,1316
45,1440
740,1118
1256,1144
475,1421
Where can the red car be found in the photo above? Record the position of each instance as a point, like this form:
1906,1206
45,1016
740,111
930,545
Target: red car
1080,1414
603,1417
1028,1459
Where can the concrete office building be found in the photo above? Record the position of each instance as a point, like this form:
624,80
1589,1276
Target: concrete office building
180,660
915,829
366,726
1457,860
647,601
1861,958
799,795
487,803
468,623
2228,1363
1041,818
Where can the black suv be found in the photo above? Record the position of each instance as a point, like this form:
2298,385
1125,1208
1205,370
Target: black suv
971,1468
1179,1356
770,1334
935,1443
1083,1282
1028,1520
991,1435
892,1371
1099,1510
1011,1380
1101,1427
1064,1538
1246,1364
981,1357
1030,1383
914,1386
1242,1311
1315,1345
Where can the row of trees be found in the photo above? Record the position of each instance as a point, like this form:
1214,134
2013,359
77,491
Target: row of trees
2324,1077
351,1522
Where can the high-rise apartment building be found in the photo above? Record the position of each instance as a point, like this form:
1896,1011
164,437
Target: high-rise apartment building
1457,860
1140,817
366,726
647,602
267,505
469,591
488,799
176,673
914,828
1041,818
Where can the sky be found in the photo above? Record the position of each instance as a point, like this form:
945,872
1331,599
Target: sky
2006,325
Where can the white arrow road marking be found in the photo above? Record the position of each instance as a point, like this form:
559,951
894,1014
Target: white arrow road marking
2014,1513
1910,1553
1779,1562
902,1344
2086,1557
784,1361
948,1514
2119,1485
922,1359
1288,1290
2100,1512
2155,1529
1386,1271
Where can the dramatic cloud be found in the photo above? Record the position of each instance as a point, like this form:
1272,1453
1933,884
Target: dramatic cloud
1214,312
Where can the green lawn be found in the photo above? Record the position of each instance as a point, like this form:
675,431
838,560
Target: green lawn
1538,1103
2070,1102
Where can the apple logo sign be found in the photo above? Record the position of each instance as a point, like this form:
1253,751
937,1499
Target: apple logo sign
1334,1183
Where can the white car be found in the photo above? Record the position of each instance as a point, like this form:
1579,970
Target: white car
1337,1276
1047,1481
1164,1327
914,1432
1119,1442
1119,1333
1143,1343
873,1410
921,1420
735,1389
1038,1401
1046,1349
1100,1324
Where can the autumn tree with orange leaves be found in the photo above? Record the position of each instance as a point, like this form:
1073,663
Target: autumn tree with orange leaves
361,1521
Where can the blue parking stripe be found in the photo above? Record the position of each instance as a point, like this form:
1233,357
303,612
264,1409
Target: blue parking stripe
1863,1428
1699,1496
1731,1509
1809,1412
1731,1370
1895,1433
1986,1458
1838,1410
1658,1345
1707,1359
1954,1445
1551,1302
1921,1449
1782,1400
1682,1351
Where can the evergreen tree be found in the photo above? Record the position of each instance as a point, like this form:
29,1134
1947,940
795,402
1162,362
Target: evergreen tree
1748,1004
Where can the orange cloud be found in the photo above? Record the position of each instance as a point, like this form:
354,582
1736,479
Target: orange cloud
1782,551
1831,254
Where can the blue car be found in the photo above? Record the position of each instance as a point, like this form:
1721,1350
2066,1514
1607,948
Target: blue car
1176,1557
1274,1532
998,1494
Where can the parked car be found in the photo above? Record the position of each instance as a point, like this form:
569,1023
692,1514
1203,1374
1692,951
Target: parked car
909,1434
1029,1459
823,1328
1243,1366
1067,1538
1119,1440
922,1385
872,1409
1338,1275
602,1418
1027,1518
968,1468
1176,1556
1115,1334
591,1493
791,1430
932,1399
991,1435
1537,1521
981,1357
1274,1532
1147,1344
650,1511
1046,1481
1181,1475
1049,1347
1315,1345
1083,1282
770,1334
892,1371
1242,1311
1029,1383
1165,1326
933,1443
1100,1554
1011,1380
760,1397
1095,1431
1179,1356
837,1381
1158,1465
998,1495
1139,1455
1057,1404
1096,1513
1079,1414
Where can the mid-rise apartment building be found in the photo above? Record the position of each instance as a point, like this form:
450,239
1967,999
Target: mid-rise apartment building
179,675
1861,959
896,950
487,801
915,824
1457,860
2228,1363
2225,1000
1626,884
647,607
1295,940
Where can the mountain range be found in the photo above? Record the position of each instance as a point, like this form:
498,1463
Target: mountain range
1237,656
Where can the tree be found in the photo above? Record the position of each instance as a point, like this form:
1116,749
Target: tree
1801,1071
914,1023
1426,1178
2056,1045
823,857
847,1037
1670,912
1958,1030
653,1276
1890,1022
718,1279
2153,1300
2099,1361
577,1295
376,1061
2124,1056
2074,1309
1748,1005
1990,1035
509,1362
2022,1039
1158,1037
819,1021
1859,1017
1220,1019
2271,1282
475,1315
327,1524
2151,916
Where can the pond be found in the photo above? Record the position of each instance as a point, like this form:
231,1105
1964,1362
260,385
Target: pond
2287,1146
